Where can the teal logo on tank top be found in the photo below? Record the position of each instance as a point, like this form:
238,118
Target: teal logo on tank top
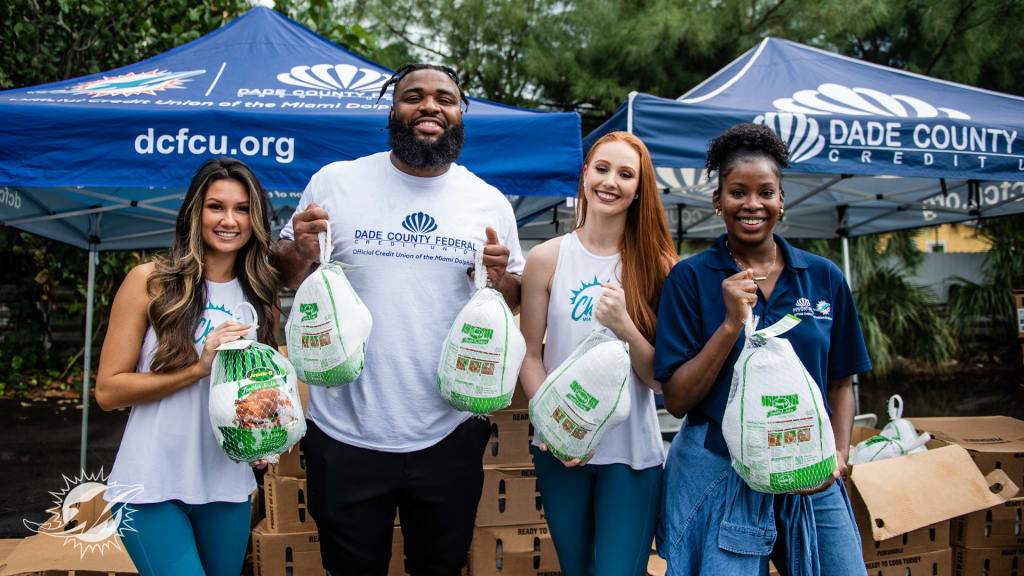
583,299
208,322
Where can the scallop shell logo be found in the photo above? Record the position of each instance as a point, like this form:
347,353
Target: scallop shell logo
419,223
334,77
832,98
801,134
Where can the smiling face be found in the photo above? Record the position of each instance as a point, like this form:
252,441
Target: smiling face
750,197
611,178
426,120
225,217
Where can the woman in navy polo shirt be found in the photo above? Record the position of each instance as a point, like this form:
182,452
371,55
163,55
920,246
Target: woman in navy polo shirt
712,523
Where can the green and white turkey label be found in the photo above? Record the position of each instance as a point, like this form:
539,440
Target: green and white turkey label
476,334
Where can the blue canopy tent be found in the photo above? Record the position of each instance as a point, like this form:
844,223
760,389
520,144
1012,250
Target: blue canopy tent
873,149
102,161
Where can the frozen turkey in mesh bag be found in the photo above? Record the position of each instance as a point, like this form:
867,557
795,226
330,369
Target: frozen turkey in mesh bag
255,409
481,357
775,423
328,325
584,397
899,437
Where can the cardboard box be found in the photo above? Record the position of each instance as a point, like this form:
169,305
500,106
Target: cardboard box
53,554
520,550
1000,526
257,507
907,493
397,565
994,442
286,504
285,554
291,463
988,561
509,497
511,434
936,563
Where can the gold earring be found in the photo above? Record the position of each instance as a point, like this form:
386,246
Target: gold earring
718,211
781,212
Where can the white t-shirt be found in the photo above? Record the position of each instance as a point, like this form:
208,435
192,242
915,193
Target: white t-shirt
168,448
575,290
413,239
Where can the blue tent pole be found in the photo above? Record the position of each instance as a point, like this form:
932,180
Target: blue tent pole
93,255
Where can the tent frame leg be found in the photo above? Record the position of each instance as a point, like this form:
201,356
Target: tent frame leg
93,255
849,281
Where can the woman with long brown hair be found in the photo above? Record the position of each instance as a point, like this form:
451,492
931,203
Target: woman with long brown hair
610,268
190,502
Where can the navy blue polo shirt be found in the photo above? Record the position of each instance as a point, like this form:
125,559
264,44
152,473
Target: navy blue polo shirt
828,339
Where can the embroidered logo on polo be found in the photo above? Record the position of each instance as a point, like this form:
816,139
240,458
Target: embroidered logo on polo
583,299
414,238
821,310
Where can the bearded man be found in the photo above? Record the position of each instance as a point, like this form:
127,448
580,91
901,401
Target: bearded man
411,221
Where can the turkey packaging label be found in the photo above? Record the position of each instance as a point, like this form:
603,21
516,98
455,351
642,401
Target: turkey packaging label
775,423
481,356
328,325
584,397
255,409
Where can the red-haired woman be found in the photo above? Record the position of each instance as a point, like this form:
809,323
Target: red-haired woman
609,268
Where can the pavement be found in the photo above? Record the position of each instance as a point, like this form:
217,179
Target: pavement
40,442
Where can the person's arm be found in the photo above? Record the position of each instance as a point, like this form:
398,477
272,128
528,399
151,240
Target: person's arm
533,312
297,257
693,379
117,383
611,313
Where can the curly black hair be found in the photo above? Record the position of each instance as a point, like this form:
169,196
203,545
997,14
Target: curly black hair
409,67
742,142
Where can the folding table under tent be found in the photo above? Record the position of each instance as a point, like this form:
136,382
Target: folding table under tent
873,149
102,161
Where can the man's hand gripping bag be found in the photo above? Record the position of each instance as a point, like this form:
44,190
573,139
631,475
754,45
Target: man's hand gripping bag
254,400
775,424
328,325
481,356
584,397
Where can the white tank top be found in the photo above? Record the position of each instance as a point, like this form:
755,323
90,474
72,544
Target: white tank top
168,446
575,290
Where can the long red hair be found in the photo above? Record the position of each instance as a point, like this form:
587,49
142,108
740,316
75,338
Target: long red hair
646,250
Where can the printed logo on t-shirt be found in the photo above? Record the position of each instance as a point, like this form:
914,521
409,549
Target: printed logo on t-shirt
583,299
214,315
413,238
821,310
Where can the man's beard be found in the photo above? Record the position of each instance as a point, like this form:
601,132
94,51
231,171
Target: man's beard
419,154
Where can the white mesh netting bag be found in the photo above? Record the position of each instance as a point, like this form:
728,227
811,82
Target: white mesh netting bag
484,350
254,400
584,397
328,325
775,424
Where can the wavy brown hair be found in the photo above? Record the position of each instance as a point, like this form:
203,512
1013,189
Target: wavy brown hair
177,288
646,250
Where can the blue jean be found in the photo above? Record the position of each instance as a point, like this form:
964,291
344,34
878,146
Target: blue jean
601,517
173,538
713,524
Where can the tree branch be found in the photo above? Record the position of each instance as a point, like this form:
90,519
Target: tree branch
409,41
763,19
953,29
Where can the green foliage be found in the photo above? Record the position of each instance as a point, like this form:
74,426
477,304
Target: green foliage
992,299
43,286
326,19
897,317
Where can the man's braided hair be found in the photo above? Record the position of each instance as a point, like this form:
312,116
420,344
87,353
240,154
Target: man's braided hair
409,67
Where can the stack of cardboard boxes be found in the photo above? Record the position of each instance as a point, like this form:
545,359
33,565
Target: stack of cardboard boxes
988,541
511,535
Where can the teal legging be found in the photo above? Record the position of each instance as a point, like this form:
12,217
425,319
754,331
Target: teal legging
602,517
177,539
